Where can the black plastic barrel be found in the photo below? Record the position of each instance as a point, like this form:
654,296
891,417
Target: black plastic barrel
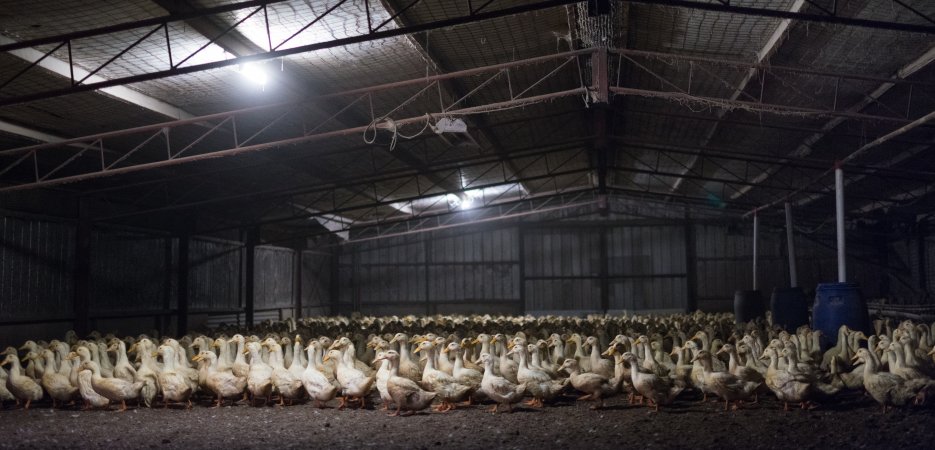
789,307
839,304
748,305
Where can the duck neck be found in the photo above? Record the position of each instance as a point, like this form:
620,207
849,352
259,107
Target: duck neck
239,358
522,359
870,367
224,352
404,349
458,364
558,351
276,358
168,361
579,352
430,359
732,361
122,354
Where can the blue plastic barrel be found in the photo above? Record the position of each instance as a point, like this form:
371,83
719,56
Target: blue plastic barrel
748,305
839,304
789,307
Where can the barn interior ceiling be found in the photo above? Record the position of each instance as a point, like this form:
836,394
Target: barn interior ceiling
318,117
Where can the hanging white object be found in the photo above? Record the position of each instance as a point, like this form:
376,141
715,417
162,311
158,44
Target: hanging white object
839,216
449,125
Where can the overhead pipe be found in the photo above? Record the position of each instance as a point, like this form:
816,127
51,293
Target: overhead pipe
839,213
790,245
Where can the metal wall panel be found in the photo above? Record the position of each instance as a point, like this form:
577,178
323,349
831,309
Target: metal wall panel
128,271
36,265
214,280
562,252
316,283
647,268
273,277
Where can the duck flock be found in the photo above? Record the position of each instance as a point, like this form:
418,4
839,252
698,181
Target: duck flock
452,361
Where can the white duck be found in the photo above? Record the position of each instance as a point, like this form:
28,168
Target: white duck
21,386
316,383
497,388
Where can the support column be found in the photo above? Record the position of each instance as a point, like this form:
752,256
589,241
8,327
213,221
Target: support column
297,281
522,268
165,320
922,264
756,243
250,241
427,248
604,270
839,219
691,265
335,284
82,270
790,245
182,275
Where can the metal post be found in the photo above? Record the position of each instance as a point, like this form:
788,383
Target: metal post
165,320
82,270
921,252
252,236
182,267
521,243
335,284
691,264
839,209
756,238
790,244
427,248
604,270
297,282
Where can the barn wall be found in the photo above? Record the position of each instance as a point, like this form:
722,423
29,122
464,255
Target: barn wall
133,281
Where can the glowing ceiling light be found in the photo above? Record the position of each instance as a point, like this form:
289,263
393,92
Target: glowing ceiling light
254,73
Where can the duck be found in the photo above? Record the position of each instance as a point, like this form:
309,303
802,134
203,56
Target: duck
91,398
114,389
382,375
538,383
147,371
599,365
316,384
122,367
447,388
658,390
886,388
354,383
443,363
584,361
223,383
55,384
594,386
725,384
405,393
21,386
506,365
466,375
260,375
5,394
407,367
285,382
175,385
32,369
742,372
499,389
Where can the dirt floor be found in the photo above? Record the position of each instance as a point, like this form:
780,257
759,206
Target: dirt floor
854,421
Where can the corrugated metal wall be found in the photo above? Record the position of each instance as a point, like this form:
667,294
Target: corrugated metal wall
129,271
36,264
562,269
214,278
725,255
316,283
384,277
273,277
647,268
474,273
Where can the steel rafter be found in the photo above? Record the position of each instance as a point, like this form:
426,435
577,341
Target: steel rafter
473,15
827,16
254,142
483,163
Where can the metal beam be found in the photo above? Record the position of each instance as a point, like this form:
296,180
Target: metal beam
64,69
354,39
726,7
805,147
761,55
240,146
